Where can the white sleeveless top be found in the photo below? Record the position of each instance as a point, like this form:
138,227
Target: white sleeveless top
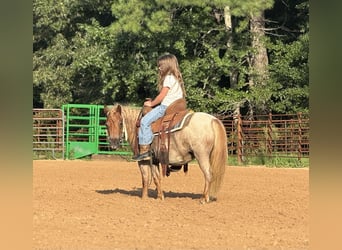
175,91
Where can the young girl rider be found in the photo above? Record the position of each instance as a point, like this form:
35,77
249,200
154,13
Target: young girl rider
171,88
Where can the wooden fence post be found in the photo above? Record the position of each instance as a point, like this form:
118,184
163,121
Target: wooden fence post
240,139
299,135
269,135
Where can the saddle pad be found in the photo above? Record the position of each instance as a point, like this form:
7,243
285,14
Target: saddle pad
177,126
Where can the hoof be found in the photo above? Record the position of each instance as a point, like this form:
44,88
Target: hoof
204,201
160,197
207,200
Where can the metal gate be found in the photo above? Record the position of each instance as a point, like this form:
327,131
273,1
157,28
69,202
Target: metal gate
48,133
85,131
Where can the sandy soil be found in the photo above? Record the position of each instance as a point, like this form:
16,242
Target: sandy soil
96,205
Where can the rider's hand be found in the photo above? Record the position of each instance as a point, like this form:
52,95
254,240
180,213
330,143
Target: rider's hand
148,103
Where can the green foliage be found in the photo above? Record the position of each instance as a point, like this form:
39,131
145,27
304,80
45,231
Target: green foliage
289,71
104,51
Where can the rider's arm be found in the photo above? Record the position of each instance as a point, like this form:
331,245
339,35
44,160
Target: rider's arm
158,99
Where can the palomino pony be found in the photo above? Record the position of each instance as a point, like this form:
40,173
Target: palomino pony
203,137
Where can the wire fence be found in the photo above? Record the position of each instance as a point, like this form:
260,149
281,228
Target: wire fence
268,135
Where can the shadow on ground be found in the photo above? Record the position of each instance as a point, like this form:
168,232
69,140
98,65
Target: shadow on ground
151,193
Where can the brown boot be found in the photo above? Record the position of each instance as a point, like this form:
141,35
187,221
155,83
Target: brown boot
144,153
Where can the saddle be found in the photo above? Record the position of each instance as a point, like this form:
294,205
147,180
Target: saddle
163,127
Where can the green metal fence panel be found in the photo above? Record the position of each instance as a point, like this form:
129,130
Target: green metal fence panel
85,131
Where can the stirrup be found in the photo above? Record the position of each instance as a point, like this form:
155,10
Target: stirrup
142,157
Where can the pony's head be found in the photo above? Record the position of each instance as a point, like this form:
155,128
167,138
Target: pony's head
114,125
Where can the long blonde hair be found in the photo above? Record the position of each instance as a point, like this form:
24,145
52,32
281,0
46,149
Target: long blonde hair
168,64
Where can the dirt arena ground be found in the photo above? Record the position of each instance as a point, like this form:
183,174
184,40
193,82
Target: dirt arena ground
96,204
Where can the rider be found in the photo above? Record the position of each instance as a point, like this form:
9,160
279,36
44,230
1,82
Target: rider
171,88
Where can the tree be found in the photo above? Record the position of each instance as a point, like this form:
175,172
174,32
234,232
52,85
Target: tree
289,53
66,62
248,56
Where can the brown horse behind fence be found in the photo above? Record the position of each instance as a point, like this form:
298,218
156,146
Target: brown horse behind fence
203,138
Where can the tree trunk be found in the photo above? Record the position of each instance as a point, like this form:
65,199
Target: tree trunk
229,28
259,59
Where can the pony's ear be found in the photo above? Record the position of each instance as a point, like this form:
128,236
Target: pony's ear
118,109
107,108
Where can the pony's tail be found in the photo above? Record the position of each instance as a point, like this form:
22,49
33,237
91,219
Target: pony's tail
218,158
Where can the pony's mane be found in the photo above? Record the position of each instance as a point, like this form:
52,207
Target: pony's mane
130,115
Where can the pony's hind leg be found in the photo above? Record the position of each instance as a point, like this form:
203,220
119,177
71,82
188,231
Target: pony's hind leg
157,181
204,165
205,198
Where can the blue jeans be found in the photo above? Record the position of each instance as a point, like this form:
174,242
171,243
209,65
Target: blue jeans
145,131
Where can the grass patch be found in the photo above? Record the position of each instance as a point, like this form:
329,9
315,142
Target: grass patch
273,161
47,155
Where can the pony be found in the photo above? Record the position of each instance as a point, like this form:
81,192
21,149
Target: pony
203,137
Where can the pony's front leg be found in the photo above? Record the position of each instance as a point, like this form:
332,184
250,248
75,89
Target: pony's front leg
157,181
144,170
